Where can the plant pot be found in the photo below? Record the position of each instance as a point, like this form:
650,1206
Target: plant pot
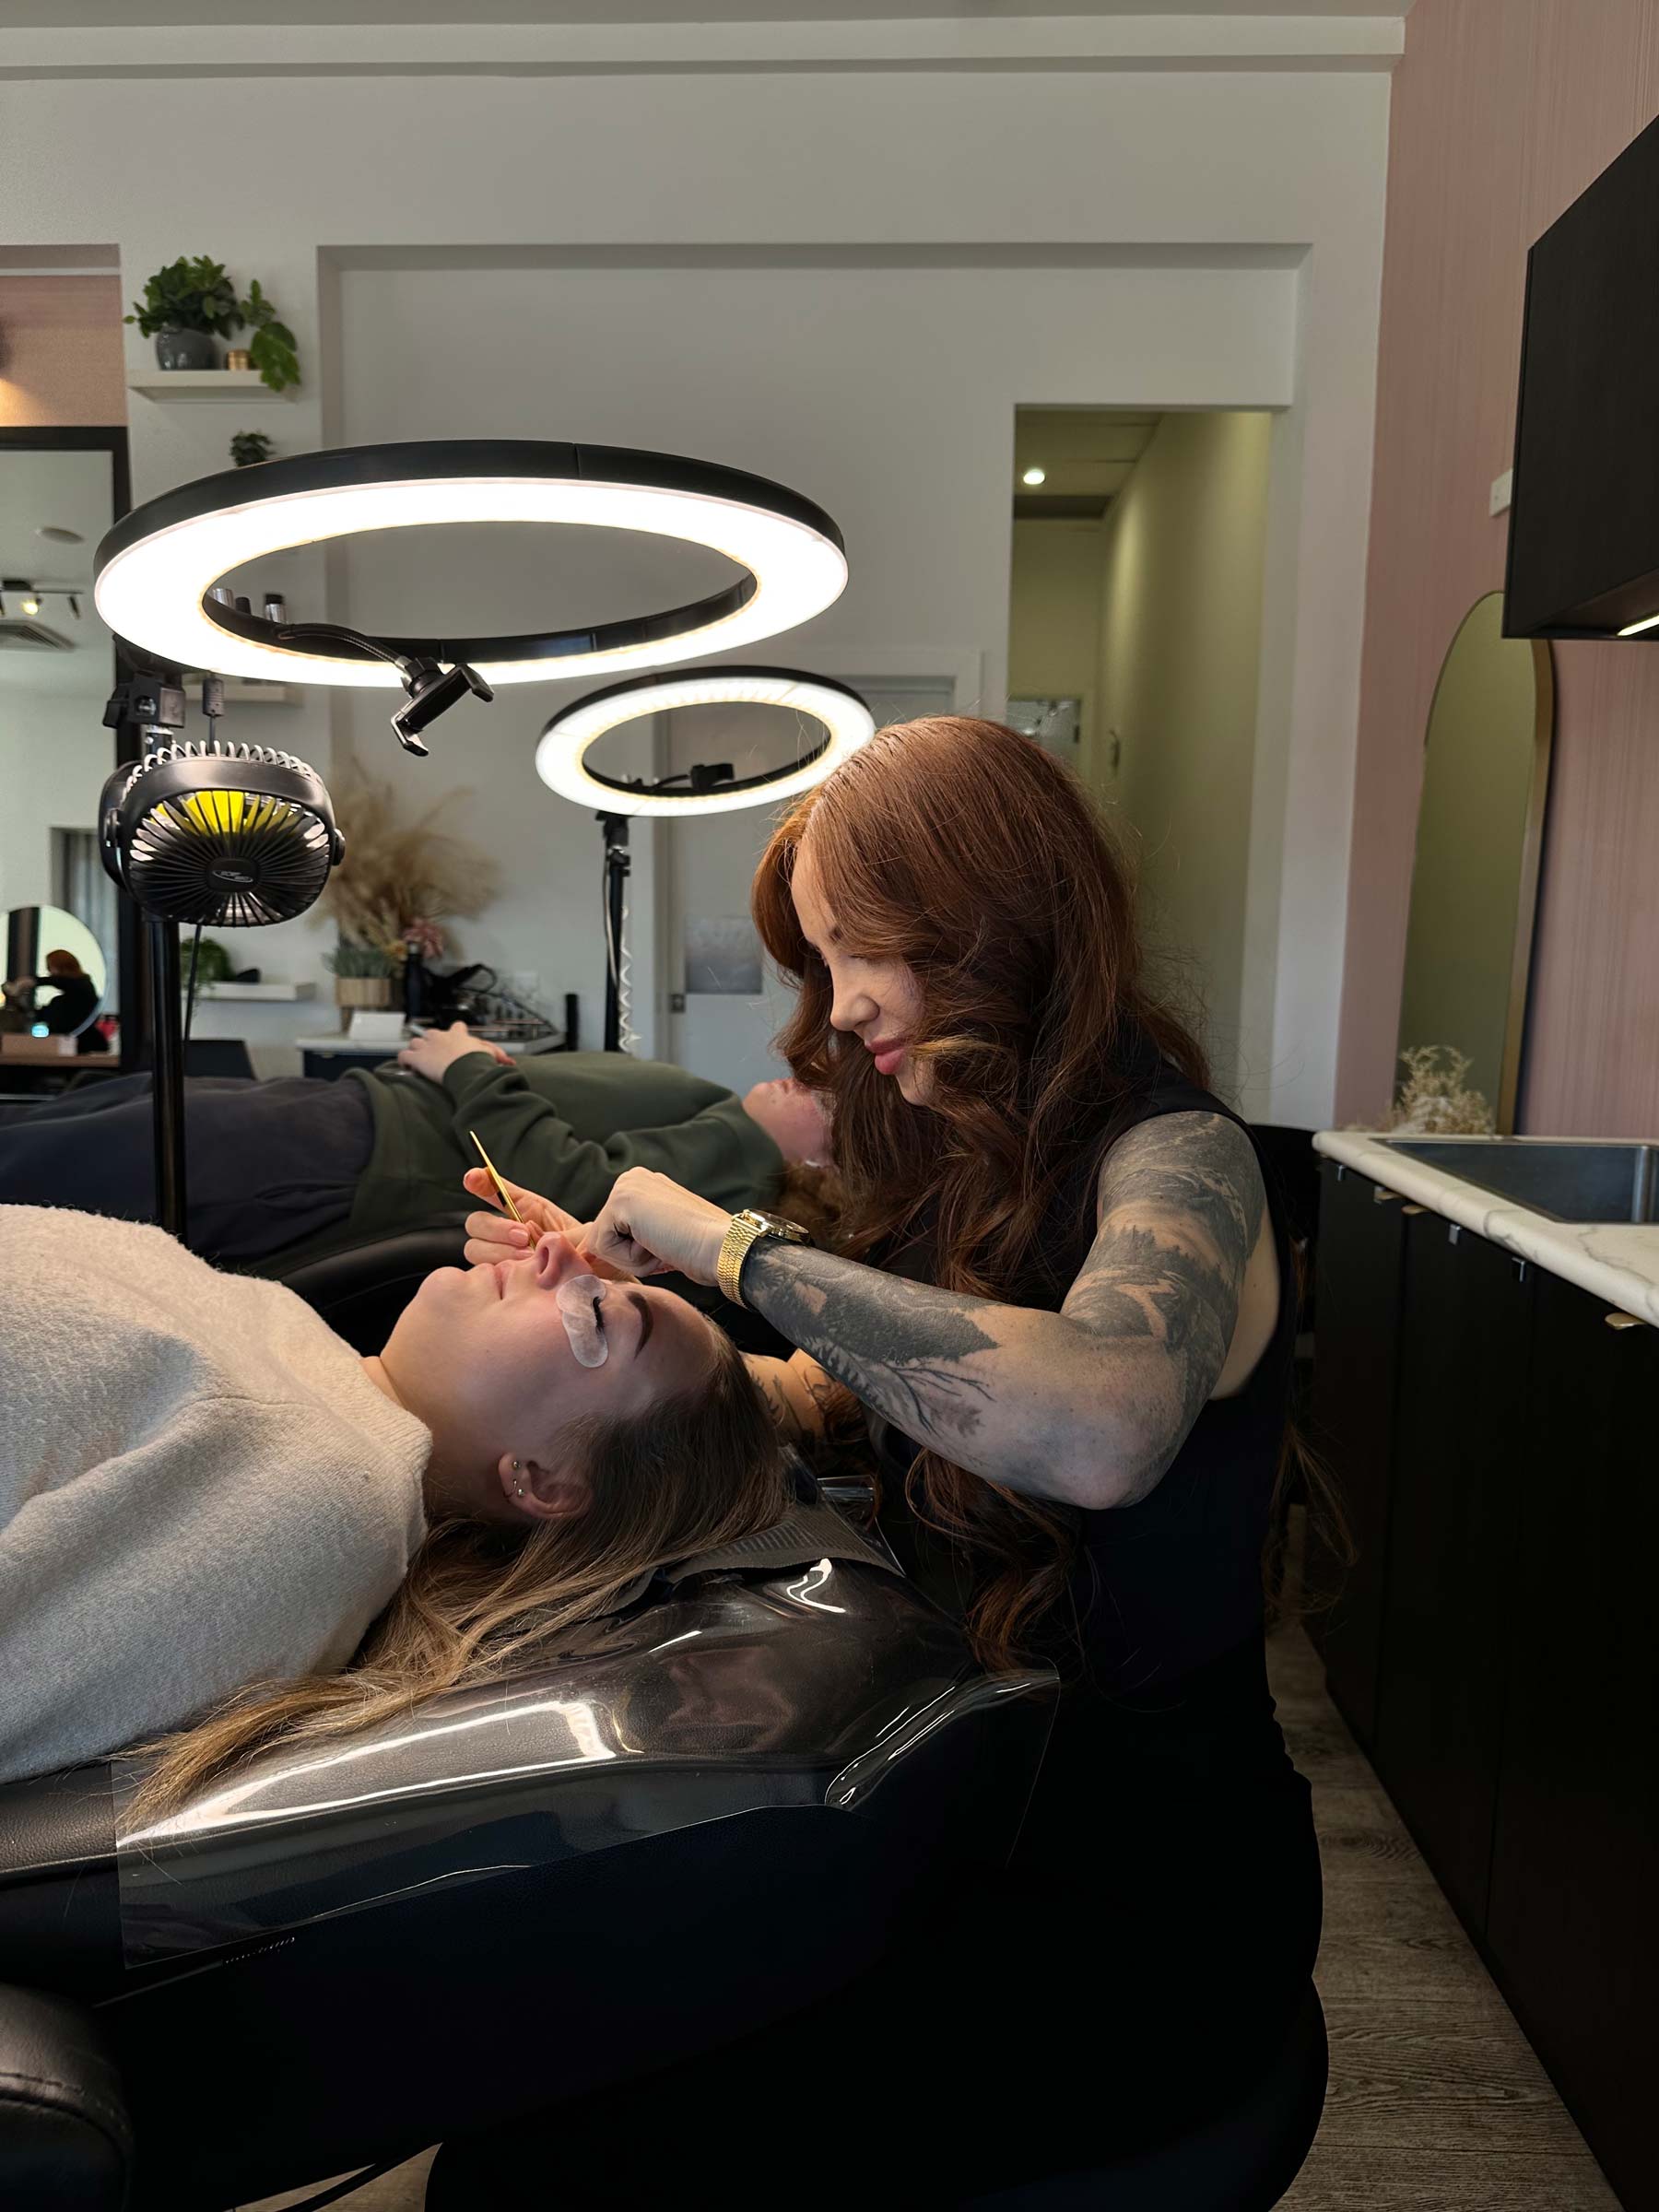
354,991
187,349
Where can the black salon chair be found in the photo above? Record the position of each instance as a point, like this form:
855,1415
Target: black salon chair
710,1814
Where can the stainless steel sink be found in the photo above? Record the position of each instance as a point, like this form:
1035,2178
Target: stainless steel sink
1570,1182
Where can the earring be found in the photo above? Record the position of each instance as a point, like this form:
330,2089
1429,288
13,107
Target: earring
518,1487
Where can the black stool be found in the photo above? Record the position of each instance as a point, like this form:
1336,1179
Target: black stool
1244,2161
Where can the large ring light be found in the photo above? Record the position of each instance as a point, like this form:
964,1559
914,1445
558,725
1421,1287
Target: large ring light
156,569
560,757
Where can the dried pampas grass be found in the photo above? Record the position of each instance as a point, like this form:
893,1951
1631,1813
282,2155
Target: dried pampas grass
399,873
1436,1101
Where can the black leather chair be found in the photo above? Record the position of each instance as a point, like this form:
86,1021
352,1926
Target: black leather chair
707,1816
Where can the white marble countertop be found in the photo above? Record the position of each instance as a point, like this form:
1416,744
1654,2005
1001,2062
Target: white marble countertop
1614,1259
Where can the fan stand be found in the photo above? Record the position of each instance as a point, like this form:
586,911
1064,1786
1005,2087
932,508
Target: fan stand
167,1080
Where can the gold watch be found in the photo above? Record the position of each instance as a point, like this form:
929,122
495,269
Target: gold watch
747,1230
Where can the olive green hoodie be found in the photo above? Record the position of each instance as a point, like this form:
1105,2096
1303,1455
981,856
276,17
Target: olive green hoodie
565,1124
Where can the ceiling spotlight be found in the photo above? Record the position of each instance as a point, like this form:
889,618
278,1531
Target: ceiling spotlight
156,569
31,604
1034,476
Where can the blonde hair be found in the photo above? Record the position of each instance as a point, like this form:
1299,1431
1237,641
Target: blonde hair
694,1472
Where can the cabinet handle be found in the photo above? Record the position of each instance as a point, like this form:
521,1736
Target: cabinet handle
1624,1321
1382,1198
1414,1209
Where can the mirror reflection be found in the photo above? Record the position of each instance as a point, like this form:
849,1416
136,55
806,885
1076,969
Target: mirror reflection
56,668
1474,885
55,975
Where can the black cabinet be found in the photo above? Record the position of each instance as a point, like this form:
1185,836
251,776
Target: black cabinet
1459,1437
1353,1402
1575,1863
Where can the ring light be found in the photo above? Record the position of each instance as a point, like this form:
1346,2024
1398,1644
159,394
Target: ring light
156,569
561,759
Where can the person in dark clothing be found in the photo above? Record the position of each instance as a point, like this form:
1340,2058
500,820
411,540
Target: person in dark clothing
296,1166
75,996
1064,1297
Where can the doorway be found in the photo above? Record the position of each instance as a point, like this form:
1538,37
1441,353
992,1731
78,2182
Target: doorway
1134,652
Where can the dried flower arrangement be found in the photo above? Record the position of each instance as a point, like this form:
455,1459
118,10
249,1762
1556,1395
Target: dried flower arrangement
400,878
1436,1101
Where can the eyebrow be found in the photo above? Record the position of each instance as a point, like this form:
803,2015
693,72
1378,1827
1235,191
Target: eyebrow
642,1306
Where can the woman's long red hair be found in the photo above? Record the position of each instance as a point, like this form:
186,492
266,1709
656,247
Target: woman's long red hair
978,860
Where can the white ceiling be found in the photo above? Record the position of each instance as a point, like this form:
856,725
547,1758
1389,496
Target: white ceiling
1084,453
131,14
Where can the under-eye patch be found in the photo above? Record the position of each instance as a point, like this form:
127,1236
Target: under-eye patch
579,1297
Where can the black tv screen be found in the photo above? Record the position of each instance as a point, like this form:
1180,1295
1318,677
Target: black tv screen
1583,549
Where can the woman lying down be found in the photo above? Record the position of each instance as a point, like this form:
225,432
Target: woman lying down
203,1488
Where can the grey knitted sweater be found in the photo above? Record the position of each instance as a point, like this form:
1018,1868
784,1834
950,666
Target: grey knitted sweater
199,1487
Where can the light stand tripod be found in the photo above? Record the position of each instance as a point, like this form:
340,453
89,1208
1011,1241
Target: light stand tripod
619,866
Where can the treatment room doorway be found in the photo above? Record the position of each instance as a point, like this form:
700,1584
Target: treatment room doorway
1134,631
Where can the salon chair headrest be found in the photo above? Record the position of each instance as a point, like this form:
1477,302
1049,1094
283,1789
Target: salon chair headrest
809,1532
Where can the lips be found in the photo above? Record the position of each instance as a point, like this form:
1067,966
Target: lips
887,1052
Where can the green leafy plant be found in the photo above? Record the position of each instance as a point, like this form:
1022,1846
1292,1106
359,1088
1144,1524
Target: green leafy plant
250,447
189,295
272,347
348,958
212,962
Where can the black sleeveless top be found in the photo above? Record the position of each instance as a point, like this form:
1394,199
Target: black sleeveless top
1164,1662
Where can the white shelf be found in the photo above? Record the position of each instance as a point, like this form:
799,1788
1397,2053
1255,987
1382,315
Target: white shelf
257,991
244,385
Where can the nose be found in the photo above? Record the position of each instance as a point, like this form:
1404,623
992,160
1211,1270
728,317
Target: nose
851,1009
557,1259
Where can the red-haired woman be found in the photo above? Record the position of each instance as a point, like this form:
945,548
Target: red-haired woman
1065,1299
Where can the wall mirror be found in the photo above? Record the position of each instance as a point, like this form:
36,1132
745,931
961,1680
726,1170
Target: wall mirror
56,973
60,489
1480,833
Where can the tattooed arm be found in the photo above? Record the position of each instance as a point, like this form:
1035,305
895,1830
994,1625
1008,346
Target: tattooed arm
1088,1406
799,1395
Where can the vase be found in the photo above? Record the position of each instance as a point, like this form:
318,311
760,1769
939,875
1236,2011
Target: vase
187,349
354,991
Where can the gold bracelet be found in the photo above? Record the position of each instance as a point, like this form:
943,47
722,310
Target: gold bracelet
734,1248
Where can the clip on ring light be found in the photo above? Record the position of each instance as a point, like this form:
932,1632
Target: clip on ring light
560,762
157,576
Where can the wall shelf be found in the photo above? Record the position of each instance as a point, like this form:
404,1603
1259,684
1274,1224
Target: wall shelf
267,991
244,385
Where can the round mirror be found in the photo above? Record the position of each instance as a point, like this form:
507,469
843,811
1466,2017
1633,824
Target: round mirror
54,975
1481,828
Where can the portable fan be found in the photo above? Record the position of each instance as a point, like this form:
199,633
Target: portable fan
232,835
228,836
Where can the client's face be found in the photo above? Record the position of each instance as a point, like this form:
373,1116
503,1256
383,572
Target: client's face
488,1360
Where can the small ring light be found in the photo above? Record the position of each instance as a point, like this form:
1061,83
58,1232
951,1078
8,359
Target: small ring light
157,567
561,755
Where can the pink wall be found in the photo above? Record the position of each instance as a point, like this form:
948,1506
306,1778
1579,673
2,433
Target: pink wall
60,350
1503,110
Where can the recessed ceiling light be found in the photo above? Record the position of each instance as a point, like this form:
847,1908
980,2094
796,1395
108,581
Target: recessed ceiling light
59,536
1035,476
31,604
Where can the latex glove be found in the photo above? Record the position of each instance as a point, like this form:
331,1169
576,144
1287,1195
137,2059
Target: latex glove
650,1225
436,1053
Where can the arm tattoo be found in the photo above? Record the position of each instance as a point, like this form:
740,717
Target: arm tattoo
1181,1207
1088,1405
897,1345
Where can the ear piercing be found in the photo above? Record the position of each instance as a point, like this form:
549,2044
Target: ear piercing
518,1487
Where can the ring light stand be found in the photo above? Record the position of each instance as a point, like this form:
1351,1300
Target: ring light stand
561,763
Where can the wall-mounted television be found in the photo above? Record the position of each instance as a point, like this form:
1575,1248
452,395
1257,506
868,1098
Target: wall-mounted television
1583,548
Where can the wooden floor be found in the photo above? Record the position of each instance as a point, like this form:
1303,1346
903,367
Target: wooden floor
1436,2100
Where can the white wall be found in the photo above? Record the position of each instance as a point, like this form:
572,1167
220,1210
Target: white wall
1180,653
853,238
1054,617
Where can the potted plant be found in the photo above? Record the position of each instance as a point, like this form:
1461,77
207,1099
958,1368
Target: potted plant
250,447
185,307
189,304
399,882
364,976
